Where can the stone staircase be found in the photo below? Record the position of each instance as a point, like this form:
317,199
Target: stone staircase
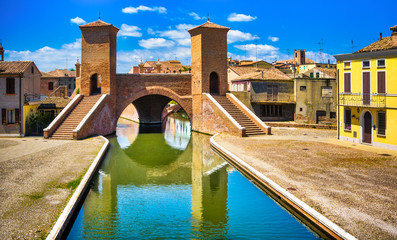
250,126
72,120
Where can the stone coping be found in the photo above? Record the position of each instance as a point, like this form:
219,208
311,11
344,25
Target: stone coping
65,218
304,212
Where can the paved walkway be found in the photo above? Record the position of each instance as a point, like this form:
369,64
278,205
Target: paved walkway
353,185
37,177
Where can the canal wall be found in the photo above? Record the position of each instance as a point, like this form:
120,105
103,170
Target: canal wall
317,222
75,201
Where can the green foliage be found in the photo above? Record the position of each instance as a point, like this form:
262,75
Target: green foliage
74,183
185,69
36,195
72,69
78,91
37,121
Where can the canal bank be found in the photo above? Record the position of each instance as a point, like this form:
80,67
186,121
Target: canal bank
353,186
37,178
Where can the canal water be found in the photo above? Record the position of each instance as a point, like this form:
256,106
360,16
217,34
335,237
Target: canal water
171,185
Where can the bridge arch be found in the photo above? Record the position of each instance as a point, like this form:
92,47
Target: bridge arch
143,97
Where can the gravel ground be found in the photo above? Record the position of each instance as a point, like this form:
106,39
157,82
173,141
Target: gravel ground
352,185
37,177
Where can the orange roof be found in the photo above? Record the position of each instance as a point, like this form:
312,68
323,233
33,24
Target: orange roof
13,67
60,73
292,61
209,24
264,74
383,44
331,72
97,23
243,70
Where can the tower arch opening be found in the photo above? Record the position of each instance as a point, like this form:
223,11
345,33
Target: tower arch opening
95,84
214,83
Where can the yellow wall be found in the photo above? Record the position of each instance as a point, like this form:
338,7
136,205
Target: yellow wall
27,110
356,71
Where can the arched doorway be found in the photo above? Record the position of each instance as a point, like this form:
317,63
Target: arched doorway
367,128
214,83
95,84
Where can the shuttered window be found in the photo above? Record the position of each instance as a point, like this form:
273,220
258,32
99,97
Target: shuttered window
16,116
347,84
348,119
50,86
382,123
4,116
381,82
10,86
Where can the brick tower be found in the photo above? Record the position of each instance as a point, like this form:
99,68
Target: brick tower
209,66
299,56
98,58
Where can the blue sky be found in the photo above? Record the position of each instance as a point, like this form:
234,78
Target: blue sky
47,32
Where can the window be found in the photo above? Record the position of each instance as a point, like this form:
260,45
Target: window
69,86
10,86
300,109
317,74
346,65
311,75
348,119
347,84
50,86
326,91
366,63
32,69
381,82
272,92
332,115
303,88
381,63
272,110
382,123
10,116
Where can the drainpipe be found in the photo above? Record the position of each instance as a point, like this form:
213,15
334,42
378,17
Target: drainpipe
337,86
20,105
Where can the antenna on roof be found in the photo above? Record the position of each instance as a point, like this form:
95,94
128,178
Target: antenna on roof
352,46
99,15
208,18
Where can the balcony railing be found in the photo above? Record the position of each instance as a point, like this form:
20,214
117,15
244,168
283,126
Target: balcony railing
272,98
362,100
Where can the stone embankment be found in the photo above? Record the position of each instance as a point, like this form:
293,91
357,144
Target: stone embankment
37,177
352,185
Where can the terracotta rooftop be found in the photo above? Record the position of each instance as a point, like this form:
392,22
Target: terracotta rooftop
330,72
13,67
243,70
209,24
60,73
292,61
97,23
60,102
264,74
383,44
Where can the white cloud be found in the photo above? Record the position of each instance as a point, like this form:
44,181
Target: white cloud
234,17
196,16
180,35
129,31
260,48
144,8
48,58
155,43
238,36
78,21
151,31
320,57
273,39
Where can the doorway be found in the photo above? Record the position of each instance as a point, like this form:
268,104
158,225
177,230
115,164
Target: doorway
95,84
214,83
367,131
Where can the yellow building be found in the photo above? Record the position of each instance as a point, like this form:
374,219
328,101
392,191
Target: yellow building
367,85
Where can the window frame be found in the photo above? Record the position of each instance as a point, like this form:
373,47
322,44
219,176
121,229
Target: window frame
362,63
377,124
350,65
8,87
377,82
350,85
377,63
50,86
345,127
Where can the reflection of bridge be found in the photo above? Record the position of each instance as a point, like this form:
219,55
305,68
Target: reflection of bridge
188,170
151,92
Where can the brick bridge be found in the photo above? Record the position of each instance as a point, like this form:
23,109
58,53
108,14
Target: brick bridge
103,94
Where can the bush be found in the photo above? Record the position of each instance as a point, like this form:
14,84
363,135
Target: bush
36,122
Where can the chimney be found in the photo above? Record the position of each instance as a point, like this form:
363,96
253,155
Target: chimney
77,68
1,52
140,66
328,63
394,36
158,66
380,36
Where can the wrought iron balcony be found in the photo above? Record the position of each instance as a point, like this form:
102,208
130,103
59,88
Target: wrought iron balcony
281,98
362,100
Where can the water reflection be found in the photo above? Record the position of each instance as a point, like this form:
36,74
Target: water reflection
172,185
